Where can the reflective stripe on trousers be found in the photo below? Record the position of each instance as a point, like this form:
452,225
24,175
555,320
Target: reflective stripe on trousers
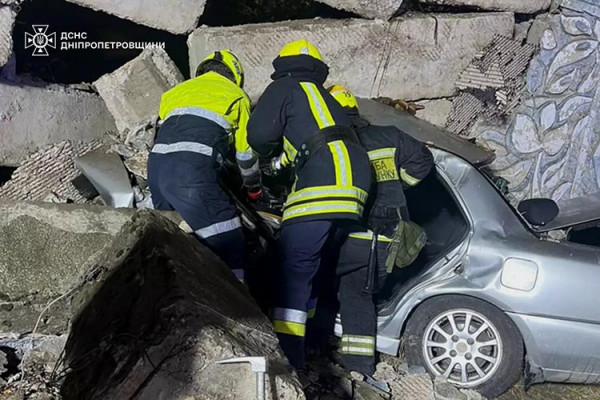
358,345
289,321
219,227
192,147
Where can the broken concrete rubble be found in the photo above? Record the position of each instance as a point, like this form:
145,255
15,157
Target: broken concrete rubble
7,21
516,6
159,316
32,117
49,171
382,9
176,16
491,85
132,93
412,58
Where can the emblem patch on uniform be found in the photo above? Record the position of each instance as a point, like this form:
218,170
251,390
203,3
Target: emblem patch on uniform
385,169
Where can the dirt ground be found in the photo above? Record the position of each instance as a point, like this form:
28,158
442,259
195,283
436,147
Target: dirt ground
553,392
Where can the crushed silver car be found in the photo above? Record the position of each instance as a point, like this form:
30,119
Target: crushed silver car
492,296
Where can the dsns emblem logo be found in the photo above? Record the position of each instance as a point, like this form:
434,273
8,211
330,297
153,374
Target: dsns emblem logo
40,40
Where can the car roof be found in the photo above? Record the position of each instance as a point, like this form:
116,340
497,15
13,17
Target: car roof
381,114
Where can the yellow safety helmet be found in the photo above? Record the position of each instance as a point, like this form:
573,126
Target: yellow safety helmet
343,96
300,47
227,58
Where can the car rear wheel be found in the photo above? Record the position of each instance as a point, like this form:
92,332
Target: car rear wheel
468,341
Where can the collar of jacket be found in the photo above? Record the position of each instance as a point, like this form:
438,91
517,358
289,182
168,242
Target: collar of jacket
302,66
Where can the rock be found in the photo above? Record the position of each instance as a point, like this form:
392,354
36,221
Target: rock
160,316
517,6
47,115
404,58
45,251
176,16
132,93
414,387
7,21
447,391
381,9
435,111
138,164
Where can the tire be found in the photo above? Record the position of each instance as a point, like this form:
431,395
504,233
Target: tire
491,371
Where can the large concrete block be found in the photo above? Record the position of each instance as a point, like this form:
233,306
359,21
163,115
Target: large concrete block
7,21
517,6
382,9
32,117
132,93
159,315
413,58
46,250
176,16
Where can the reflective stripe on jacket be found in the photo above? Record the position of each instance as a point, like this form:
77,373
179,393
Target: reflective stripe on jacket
334,181
220,101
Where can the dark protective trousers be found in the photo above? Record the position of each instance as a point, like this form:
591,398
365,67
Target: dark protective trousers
300,246
357,308
188,183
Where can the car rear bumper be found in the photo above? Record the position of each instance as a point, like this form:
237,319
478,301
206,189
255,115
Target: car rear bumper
563,350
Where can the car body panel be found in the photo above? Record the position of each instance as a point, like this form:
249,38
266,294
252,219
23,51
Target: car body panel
556,311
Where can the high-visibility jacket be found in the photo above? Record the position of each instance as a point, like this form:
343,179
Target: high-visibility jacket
224,110
396,158
334,181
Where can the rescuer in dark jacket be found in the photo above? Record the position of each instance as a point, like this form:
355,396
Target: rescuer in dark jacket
297,115
396,159
204,119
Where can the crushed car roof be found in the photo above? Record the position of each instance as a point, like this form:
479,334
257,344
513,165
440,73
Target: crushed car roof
422,130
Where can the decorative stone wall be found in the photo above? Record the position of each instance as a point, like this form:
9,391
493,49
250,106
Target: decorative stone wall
551,147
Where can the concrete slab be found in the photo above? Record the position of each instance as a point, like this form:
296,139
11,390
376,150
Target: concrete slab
382,9
517,6
132,93
32,117
436,111
7,21
411,58
176,16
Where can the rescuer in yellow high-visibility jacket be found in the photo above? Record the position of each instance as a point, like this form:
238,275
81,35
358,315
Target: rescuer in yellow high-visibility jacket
203,117
297,115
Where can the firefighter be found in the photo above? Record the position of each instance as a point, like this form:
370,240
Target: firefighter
332,176
202,118
396,159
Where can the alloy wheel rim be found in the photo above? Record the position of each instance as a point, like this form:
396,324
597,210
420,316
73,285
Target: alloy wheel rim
463,346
